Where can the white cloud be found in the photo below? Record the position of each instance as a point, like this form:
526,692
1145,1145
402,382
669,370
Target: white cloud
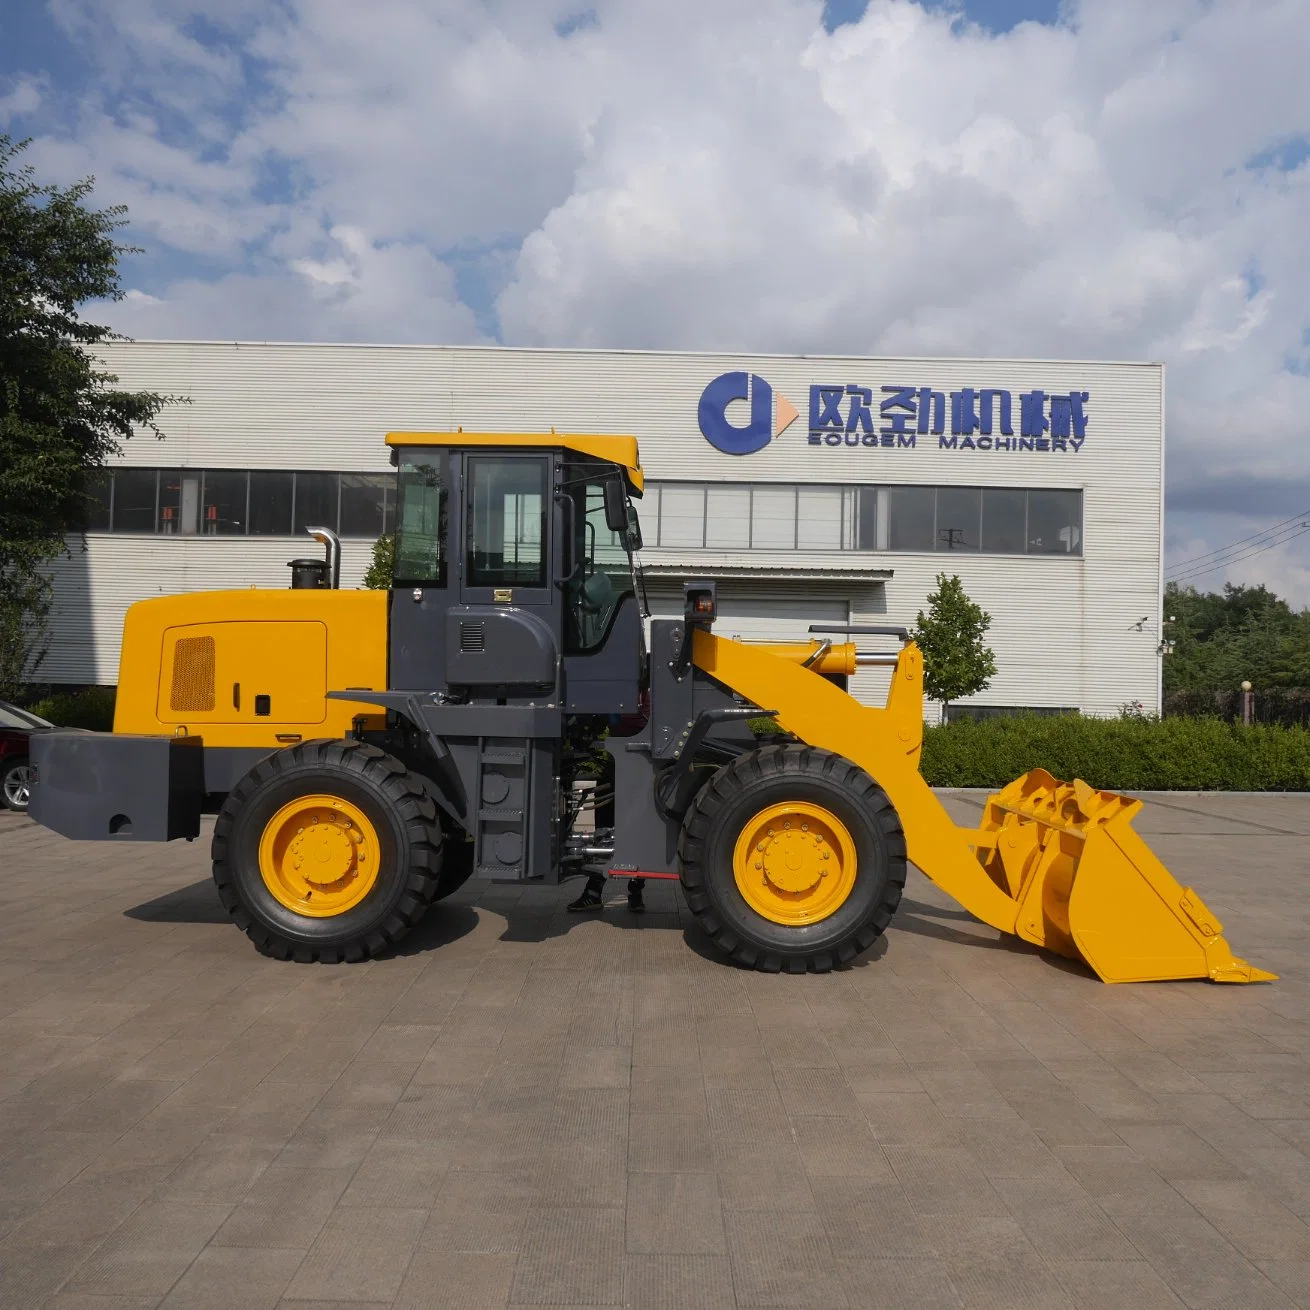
678,174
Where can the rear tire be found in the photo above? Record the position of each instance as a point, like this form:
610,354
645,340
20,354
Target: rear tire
15,785
863,827
394,814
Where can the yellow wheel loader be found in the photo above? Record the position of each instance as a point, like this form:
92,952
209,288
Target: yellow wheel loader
367,751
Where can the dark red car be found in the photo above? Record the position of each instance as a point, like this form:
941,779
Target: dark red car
16,729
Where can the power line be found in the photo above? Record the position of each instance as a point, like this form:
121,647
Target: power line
1234,554
1200,571
1223,550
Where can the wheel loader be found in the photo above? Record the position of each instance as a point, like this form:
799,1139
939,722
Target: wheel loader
366,752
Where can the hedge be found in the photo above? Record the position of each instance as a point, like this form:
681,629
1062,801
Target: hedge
92,708
1182,754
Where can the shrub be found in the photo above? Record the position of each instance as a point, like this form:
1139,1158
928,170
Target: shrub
92,707
1126,754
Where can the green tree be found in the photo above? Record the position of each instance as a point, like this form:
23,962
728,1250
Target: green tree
383,566
61,416
1222,638
956,662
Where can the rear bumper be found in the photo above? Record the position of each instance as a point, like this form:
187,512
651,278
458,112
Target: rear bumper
100,786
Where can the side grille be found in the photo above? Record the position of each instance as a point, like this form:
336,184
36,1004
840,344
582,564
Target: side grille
473,636
193,675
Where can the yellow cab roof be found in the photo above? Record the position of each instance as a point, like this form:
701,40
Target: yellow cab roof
613,449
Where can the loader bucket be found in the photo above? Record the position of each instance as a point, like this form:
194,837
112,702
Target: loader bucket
1058,864
1089,888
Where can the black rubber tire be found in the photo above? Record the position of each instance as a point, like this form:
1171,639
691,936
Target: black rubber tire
11,766
408,829
770,776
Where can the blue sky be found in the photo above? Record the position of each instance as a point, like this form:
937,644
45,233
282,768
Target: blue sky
995,15
1000,177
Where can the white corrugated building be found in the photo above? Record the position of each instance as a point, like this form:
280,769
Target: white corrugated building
1038,483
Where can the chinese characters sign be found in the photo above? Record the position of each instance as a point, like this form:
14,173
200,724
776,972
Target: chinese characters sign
969,419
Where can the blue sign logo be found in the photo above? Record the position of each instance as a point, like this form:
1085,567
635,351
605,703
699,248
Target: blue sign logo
763,425
896,417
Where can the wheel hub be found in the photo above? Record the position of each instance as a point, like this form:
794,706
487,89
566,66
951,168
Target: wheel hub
794,863
793,859
319,855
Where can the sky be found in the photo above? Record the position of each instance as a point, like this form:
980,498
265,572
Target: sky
1099,179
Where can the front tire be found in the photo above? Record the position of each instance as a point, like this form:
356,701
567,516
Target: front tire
792,858
328,851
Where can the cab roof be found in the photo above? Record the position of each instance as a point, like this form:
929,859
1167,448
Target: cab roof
612,449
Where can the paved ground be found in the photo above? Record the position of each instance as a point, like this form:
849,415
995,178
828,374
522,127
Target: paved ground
525,1109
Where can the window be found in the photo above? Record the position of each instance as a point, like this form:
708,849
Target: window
602,574
778,517
99,501
223,503
1055,522
507,522
421,529
959,518
1004,520
134,499
682,515
866,527
366,504
909,518
773,518
728,517
270,504
12,717
316,501
179,501
819,518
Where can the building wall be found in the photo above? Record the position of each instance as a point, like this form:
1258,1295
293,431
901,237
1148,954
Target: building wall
1064,626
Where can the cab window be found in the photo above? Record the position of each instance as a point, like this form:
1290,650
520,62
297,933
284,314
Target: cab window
507,521
421,521
602,573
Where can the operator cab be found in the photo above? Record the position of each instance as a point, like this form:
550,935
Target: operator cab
515,579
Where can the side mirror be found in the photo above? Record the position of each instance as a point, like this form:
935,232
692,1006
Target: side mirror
616,505
632,538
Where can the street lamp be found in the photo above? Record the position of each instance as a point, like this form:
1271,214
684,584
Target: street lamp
1248,704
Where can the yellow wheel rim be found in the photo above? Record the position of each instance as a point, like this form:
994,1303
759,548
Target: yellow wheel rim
320,856
794,863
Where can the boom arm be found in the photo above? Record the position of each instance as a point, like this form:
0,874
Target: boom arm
885,743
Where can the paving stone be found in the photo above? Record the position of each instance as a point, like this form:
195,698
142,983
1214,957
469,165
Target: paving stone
480,1212
456,1281
1114,1285
146,1254
782,1259
923,1284
570,1256
832,1147
361,1254
285,1208
865,1219
762,1176
668,1143
674,1214
674,1282
234,1278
